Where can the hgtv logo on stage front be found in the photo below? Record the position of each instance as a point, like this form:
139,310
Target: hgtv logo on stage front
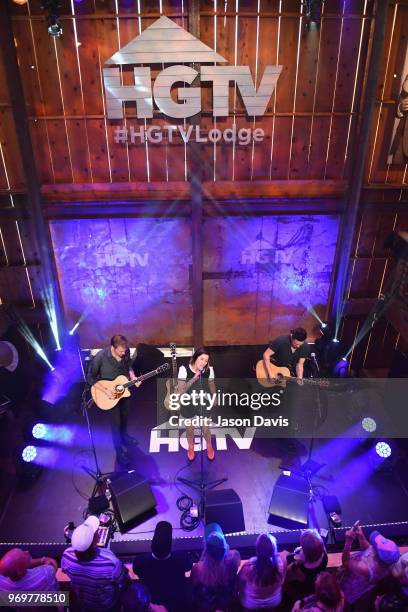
165,42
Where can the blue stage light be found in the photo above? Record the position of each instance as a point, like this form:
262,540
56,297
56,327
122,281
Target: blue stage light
39,431
340,369
383,449
29,453
335,340
368,424
78,323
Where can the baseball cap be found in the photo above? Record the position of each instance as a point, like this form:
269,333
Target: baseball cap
387,550
215,542
83,535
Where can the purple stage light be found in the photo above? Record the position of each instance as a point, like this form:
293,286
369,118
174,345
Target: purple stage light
39,431
383,450
340,369
29,453
58,434
369,424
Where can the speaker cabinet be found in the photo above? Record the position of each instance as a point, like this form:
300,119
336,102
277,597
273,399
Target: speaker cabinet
132,498
224,507
289,503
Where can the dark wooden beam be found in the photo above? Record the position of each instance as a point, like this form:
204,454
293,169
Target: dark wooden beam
37,225
342,267
196,183
181,190
162,208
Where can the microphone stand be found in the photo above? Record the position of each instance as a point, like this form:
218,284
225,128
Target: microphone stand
96,474
201,485
311,467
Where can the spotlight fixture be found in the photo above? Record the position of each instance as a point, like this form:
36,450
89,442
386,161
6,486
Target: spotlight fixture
313,10
29,454
52,9
323,325
340,368
383,450
369,424
39,431
55,29
335,340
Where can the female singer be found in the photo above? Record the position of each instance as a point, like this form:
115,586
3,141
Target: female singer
199,375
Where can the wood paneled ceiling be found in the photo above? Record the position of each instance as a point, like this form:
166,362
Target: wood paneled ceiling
311,123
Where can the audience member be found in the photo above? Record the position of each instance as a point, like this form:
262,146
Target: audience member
328,596
19,572
261,578
390,602
304,566
364,569
97,576
214,577
400,573
136,598
163,571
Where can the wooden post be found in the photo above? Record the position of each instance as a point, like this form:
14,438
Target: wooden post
34,199
361,140
196,202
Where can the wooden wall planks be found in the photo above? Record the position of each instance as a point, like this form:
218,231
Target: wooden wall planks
322,74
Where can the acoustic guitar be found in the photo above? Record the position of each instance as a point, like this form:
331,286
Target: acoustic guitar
281,376
120,387
171,383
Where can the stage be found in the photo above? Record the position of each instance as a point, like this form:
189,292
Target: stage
39,512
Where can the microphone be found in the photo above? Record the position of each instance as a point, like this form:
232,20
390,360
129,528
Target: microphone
313,356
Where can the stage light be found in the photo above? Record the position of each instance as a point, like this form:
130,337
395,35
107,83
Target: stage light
29,453
77,324
368,424
48,297
335,340
39,431
27,334
383,449
57,434
52,9
323,325
313,10
55,29
340,369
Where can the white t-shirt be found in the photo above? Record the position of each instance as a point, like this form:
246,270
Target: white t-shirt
182,373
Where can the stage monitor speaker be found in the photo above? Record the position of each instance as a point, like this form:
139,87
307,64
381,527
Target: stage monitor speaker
289,503
223,506
132,498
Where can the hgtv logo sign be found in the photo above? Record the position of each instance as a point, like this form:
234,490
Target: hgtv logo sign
164,42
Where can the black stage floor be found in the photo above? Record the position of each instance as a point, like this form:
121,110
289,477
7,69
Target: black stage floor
60,494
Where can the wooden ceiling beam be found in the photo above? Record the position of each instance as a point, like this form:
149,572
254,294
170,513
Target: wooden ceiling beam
181,190
342,268
196,186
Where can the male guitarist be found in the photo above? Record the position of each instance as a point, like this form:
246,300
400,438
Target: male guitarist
109,363
289,351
